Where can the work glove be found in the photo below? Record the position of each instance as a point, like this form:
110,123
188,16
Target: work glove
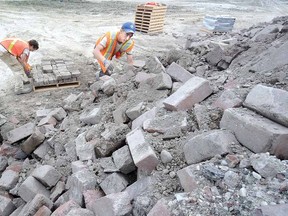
28,70
109,66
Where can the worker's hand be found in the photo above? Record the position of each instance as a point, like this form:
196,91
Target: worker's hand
109,66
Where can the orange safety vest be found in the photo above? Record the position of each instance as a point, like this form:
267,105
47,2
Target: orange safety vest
15,46
109,51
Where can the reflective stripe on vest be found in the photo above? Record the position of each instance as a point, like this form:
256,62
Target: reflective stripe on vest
12,45
109,51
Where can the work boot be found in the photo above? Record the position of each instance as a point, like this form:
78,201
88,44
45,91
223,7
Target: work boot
23,90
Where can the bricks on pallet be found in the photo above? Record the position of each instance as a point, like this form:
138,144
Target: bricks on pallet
47,68
160,209
208,144
9,179
114,183
257,133
29,145
65,208
47,175
178,73
142,153
123,160
43,211
80,211
6,206
193,91
34,205
75,73
20,133
118,204
30,187
80,182
269,102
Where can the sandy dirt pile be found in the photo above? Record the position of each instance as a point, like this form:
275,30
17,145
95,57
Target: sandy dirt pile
201,130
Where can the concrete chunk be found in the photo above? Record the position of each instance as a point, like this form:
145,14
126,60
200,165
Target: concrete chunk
178,73
81,181
160,209
84,150
150,114
34,205
154,65
6,206
47,175
20,132
269,102
207,145
123,160
143,77
30,187
113,205
143,155
65,208
59,113
135,112
9,179
33,141
257,133
91,116
114,183
193,91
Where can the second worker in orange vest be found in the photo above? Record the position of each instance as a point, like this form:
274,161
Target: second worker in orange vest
15,52
114,44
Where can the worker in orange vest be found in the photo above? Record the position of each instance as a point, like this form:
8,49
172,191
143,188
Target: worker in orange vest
114,44
15,52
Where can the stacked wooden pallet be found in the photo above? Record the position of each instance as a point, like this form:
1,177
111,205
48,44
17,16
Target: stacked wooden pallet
149,18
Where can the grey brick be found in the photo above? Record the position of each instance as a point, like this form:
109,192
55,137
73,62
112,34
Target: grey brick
114,183
47,175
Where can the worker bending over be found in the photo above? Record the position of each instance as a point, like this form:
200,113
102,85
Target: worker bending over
114,44
14,52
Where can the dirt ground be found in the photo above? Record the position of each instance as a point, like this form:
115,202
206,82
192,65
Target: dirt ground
69,29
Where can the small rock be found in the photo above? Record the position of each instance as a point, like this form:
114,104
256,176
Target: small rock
166,157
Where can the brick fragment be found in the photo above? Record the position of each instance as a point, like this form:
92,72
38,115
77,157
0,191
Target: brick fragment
178,73
47,175
20,133
114,183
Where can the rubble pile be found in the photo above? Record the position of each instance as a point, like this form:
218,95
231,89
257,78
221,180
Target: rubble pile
200,131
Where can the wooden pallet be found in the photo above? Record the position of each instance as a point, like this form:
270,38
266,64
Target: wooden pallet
56,86
212,32
149,18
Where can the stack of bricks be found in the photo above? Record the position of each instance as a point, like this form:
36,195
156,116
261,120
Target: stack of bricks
55,71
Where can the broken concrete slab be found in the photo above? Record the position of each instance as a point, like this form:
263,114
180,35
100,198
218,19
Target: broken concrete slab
269,102
142,153
208,144
193,91
178,73
257,133
47,175
20,133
